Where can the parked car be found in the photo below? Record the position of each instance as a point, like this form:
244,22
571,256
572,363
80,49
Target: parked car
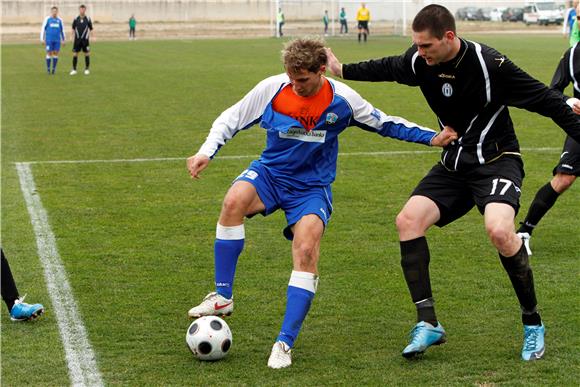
467,13
513,15
543,13
484,14
495,14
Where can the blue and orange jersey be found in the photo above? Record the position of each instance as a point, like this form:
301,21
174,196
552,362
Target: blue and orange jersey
302,133
52,29
306,110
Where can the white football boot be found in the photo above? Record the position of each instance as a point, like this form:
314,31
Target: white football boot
281,356
213,304
87,72
73,72
525,237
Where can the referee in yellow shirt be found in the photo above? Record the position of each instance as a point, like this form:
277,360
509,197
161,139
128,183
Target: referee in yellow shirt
363,15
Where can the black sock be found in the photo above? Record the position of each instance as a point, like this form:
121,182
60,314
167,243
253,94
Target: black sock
365,35
522,278
543,201
415,263
359,36
75,61
9,290
87,62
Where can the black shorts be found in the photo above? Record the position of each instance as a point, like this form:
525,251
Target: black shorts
455,193
81,45
570,159
364,25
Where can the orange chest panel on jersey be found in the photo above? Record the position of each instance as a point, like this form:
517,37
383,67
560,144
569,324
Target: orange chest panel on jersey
306,110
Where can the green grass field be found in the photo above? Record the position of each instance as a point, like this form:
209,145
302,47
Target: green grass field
136,239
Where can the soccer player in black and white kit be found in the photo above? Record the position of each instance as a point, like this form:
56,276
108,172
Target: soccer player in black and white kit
469,87
568,168
82,27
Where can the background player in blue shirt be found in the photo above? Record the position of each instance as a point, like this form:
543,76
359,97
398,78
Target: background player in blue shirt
303,113
51,35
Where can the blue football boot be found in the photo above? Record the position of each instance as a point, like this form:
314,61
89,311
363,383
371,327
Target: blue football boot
533,348
21,311
423,336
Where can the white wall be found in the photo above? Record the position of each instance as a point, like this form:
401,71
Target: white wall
33,11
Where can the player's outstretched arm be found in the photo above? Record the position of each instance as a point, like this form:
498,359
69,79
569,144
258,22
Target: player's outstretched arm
367,117
196,164
445,137
387,69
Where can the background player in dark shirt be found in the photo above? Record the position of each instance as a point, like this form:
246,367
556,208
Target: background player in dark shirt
469,86
82,27
568,168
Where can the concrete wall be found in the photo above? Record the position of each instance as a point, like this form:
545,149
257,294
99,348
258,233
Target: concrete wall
106,11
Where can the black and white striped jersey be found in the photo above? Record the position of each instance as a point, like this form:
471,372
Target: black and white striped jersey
471,94
82,27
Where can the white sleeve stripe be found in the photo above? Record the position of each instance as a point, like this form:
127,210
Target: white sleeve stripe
62,29
415,56
484,133
576,87
42,30
485,72
244,114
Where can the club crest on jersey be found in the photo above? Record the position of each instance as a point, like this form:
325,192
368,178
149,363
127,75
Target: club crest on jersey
447,89
331,118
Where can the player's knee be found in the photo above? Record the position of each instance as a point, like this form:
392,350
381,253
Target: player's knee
233,204
499,234
561,182
406,221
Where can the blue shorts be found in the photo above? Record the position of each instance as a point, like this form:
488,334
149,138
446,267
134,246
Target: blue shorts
296,203
52,45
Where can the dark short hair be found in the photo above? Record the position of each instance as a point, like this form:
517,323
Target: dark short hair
82,6
54,7
436,19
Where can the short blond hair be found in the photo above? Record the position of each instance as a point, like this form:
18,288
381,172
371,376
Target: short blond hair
304,54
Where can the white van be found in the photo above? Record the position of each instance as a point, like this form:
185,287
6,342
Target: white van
543,13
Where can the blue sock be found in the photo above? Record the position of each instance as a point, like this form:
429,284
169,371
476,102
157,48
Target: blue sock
228,246
48,63
54,62
300,294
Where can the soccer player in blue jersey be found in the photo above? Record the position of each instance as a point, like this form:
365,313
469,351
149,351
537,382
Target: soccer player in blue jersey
51,36
303,112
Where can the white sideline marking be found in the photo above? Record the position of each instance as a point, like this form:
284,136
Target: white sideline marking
82,365
236,157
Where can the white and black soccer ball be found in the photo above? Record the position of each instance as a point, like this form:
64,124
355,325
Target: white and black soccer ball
209,338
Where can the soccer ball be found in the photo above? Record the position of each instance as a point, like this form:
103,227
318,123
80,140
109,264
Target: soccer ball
209,338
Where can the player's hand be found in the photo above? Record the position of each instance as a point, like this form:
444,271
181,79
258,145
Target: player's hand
196,164
333,64
574,103
445,137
